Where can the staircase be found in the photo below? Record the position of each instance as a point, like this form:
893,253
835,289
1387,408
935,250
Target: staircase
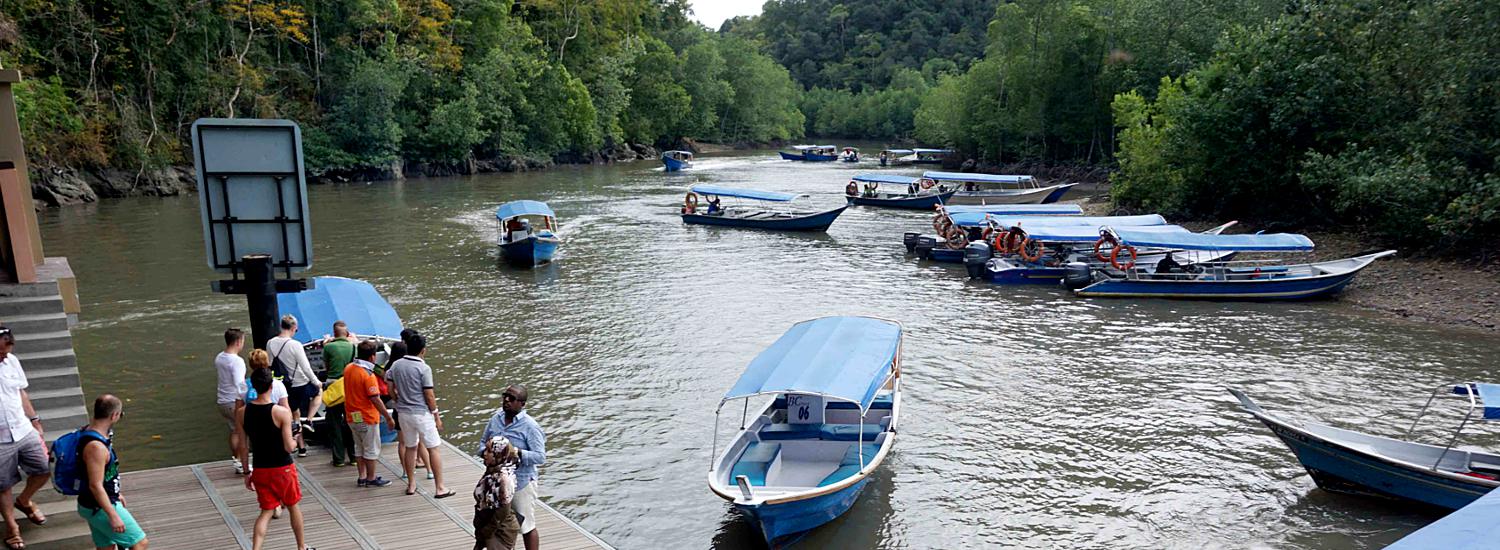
34,314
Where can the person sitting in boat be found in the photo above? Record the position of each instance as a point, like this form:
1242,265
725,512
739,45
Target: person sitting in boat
1168,264
713,206
911,188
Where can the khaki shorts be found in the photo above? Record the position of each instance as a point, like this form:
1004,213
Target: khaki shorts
226,410
24,458
524,505
366,440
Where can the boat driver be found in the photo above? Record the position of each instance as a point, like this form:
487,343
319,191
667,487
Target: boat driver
713,206
1168,264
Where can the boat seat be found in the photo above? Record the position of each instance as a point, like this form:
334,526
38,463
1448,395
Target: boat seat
781,432
1486,467
850,464
851,432
754,462
883,401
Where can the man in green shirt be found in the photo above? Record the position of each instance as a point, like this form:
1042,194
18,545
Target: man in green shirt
338,352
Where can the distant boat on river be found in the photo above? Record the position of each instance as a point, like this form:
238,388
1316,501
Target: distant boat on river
850,154
677,160
812,153
523,244
710,211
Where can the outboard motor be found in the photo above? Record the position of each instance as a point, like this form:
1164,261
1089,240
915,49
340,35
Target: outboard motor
924,247
976,255
910,240
1077,275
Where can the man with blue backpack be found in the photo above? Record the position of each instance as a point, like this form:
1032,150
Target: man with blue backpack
87,467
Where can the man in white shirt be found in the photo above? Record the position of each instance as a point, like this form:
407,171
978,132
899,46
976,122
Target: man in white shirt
230,368
23,451
302,384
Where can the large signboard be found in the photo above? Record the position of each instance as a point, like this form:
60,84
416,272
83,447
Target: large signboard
252,192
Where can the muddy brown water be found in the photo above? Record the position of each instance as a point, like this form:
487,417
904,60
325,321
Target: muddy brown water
1034,418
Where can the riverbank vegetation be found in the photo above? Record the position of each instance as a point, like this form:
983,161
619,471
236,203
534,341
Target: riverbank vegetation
376,85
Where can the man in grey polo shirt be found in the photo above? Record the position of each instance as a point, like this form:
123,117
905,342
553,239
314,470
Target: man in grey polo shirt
416,407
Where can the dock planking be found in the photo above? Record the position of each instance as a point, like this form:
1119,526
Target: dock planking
207,506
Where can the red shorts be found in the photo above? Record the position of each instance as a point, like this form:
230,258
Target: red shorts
276,486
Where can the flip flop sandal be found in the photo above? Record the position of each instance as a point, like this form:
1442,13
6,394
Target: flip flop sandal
445,494
15,542
32,513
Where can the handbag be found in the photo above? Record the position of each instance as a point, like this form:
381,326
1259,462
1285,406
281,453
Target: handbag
333,394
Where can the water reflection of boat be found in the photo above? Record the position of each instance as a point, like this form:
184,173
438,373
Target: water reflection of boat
1347,461
804,458
713,213
522,245
812,153
998,189
912,194
677,160
1219,280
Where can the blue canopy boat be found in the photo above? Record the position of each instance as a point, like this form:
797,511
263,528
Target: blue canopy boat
812,153
758,218
520,244
998,189
806,455
1214,280
864,189
1473,527
1347,461
1069,245
977,225
677,160
897,157
849,154
331,299
930,156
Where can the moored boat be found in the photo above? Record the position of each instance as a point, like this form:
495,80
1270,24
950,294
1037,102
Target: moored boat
1226,280
912,194
675,161
363,310
711,211
930,156
998,189
804,458
1347,461
528,233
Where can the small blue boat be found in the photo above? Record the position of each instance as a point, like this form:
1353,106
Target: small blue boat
812,153
912,194
1347,461
849,154
897,157
710,211
521,243
803,459
675,161
1216,280
930,156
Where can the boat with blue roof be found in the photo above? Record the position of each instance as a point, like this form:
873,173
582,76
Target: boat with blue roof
1442,476
676,161
998,189
897,157
1217,280
906,192
710,210
930,156
849,154
802,460
528,233
812,153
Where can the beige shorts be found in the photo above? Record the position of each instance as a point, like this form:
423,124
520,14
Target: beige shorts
419,428
226,410
524,505
366,440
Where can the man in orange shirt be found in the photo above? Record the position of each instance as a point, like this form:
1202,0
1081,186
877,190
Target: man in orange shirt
364,410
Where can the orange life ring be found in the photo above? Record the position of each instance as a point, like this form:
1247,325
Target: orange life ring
957,237
1014,239
690,203
852,189
941,224
1040,249
1114,257
999,241
1099,246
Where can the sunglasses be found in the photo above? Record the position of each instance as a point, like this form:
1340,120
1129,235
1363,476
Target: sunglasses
509,397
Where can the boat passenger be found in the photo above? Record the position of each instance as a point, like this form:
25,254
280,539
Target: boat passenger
1169,264
713,206
911,188
302,383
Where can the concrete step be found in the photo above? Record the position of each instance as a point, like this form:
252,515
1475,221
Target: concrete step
32,324
48,360
65,529
51,379
43,341
29,305
60,420
56,399
48,288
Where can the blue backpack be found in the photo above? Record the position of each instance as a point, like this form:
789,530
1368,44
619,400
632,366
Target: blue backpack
68,475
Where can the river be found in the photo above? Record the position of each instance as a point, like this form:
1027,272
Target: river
1033,418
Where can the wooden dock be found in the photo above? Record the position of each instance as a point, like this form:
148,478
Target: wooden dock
206,506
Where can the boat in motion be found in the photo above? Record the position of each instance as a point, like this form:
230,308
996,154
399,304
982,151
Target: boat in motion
849,154
897,157
909,192
1216,280
710,210
528,233
1347,461
802,460
812,153
675,161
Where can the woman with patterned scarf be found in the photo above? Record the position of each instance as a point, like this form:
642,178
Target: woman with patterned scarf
495,526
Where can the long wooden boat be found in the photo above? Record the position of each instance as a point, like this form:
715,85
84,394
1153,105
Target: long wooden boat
521,244
998,189
812,153
897,157
1072,246
1347,461
749,216
911,194
1059,223
930,156
805,456
675,161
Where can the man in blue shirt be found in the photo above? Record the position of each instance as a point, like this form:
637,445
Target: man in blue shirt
524,433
